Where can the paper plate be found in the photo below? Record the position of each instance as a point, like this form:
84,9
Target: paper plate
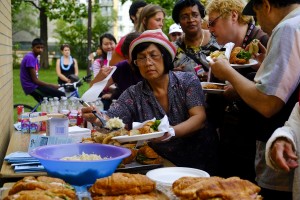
213,91
147,136
237,66
168,175
251,63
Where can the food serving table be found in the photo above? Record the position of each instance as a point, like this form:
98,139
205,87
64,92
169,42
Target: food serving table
19,142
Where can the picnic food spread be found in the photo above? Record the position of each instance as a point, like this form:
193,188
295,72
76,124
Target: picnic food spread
136,186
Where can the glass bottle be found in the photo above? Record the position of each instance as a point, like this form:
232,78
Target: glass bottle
44,104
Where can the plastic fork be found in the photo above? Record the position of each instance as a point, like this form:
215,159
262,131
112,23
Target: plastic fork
109,55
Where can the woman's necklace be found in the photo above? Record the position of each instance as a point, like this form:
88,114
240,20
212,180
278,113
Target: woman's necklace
62,63
202,39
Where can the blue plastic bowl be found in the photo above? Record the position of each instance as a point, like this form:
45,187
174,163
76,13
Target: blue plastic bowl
80,172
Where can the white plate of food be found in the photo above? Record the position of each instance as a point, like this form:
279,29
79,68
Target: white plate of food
252,62
145,136
211,87
168,175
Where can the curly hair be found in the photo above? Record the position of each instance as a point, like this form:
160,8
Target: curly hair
181,4
227,6
148,11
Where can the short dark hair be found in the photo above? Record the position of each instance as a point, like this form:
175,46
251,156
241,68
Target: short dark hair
181,4
128,39
37,41
167,58
135,7
108,36
63,46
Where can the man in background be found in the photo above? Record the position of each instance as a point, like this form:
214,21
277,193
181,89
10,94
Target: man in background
175,32
29,73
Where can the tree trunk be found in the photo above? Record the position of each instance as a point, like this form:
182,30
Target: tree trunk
44,36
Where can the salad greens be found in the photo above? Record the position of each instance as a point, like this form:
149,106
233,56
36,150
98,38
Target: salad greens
155,125
244,55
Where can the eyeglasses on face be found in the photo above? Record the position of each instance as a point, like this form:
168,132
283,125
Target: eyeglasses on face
187,17
213,22
143,60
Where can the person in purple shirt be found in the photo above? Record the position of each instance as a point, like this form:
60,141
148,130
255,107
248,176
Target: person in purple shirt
29,72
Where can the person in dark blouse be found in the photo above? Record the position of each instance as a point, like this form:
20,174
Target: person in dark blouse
178,95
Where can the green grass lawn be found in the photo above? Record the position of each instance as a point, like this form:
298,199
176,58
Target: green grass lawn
44,75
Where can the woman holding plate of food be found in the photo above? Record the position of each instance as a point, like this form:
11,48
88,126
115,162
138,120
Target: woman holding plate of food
237,139
165,92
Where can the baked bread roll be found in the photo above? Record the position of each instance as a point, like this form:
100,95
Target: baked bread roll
149,196
147,156
37,195
239,56
121,184
204,188
42,183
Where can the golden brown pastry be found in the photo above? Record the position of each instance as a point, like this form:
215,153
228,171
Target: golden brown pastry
149,196
53,185
122,183
235,59
130,158
37,195
232,188
146,155
213,86
146,128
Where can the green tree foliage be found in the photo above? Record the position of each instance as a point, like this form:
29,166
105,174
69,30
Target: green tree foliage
23,21
68,10
75,34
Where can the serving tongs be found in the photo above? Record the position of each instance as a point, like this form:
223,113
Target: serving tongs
102,120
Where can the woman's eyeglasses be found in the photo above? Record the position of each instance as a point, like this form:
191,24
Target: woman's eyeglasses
213,22
186,17
143,61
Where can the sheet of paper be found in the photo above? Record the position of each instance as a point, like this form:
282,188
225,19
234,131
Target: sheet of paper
92,94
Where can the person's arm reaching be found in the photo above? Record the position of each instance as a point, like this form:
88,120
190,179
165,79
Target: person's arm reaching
267,105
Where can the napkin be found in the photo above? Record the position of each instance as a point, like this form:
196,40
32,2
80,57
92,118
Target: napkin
229,46
164,126
92,94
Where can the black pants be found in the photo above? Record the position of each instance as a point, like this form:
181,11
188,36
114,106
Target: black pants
45,91
275,195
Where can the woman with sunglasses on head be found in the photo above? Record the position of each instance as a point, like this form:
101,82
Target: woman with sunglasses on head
66,65
228,24
164,92
196,43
